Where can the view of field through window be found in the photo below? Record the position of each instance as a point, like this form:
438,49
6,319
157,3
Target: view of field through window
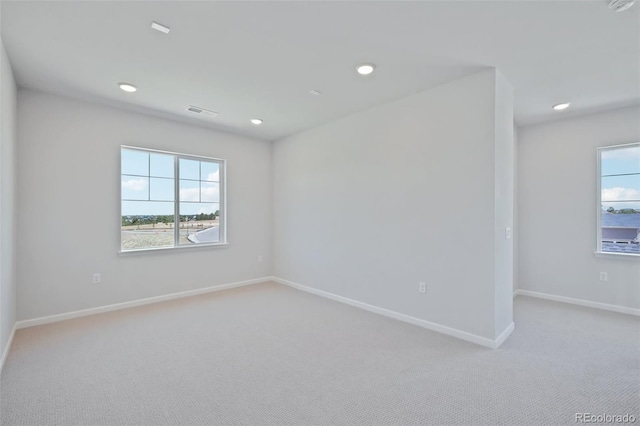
152,198
620,199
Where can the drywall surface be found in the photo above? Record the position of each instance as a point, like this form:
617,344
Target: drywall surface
368,206
516,225
557,175
8,140
68,205
504,201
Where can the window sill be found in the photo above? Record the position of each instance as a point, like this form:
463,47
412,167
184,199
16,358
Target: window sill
172,249
611,255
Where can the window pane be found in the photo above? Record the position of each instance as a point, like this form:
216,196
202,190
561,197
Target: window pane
189,190
162,165
210,192
620,188
189,169
618,206
199,223
147,208
146,225
620,199
192,210
621,217
161,189
209,171
621,229
134,188
149,199
134,162
620,160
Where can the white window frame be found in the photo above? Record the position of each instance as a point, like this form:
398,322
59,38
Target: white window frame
222,217
599,251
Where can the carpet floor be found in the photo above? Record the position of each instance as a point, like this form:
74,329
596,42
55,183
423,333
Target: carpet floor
268,354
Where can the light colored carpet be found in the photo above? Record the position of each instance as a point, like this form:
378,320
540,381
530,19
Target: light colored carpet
271,355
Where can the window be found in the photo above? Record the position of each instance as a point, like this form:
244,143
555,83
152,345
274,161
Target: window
170,200
619,199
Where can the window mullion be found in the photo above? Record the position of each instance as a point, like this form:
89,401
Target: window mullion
149,177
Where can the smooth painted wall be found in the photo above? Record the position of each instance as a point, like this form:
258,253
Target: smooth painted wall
8,140
368,206
516,204
557,176
68,207
503,166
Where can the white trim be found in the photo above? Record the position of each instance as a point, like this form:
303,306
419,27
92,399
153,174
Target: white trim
581,302
5,353
600,150
599,201
613,254
506,333
469,337
222,202
135,252
133,303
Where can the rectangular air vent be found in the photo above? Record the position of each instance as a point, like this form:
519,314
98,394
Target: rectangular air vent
159,27
202,111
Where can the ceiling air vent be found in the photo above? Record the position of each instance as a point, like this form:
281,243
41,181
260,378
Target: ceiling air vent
202,111
620,5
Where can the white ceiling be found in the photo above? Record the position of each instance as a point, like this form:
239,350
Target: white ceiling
261,59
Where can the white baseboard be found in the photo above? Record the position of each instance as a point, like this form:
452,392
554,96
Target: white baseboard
506,333
134,303
581,302
469,337
5,353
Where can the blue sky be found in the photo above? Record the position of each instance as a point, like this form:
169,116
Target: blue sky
619,191
147,184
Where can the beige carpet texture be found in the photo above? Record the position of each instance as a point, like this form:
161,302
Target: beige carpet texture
268,354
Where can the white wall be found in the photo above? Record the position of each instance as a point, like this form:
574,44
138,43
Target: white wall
8,138
557,177
503,165
367,206
516,204
68,207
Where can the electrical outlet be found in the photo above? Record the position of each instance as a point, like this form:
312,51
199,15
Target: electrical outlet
604,276
422,287
260,258
96,278
507,233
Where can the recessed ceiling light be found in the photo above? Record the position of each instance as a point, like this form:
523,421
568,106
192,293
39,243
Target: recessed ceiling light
127,87
256,121
160,27
315,92
365,69
620,5
560,107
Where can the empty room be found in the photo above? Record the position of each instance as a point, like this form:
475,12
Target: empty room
319,212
